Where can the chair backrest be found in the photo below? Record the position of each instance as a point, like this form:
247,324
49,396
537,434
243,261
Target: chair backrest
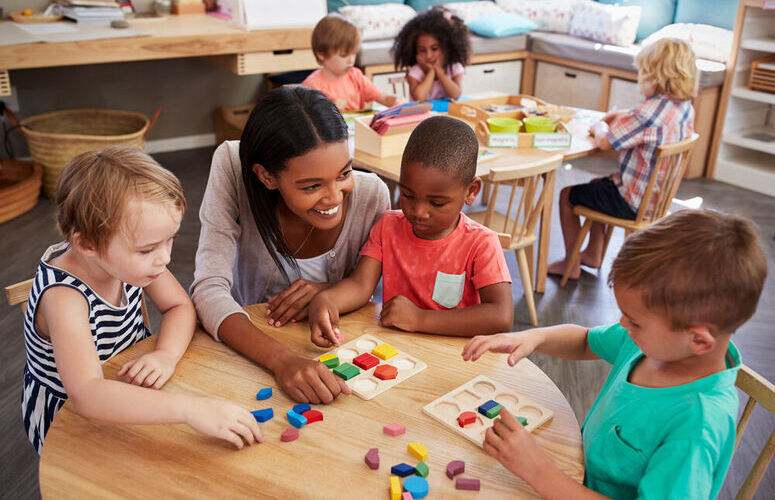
400,86
762,391
523,213
18,293
672,160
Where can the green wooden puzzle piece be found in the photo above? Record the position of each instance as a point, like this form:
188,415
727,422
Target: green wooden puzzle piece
422,469
522,420
493,412
346,371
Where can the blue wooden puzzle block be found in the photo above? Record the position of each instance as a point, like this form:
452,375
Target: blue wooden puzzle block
402,470
486,406
296,420
301,408
417,486
263,415
264,394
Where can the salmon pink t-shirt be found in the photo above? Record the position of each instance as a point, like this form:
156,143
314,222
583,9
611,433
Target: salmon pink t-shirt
436,274
350,92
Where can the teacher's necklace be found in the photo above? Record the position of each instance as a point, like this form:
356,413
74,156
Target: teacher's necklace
304,241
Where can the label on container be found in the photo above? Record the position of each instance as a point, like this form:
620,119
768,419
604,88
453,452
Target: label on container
503,140
551,140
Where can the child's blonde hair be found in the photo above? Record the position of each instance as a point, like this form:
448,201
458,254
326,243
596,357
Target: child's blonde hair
669,63
95,187
696,267
333,34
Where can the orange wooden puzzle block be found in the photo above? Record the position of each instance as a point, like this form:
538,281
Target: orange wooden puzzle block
386,372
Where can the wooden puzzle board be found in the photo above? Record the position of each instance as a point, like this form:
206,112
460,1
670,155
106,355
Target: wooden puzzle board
475,392
365,385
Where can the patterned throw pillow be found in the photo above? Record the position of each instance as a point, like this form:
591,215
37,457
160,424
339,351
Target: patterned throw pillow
708,42
468,11
549,15
611,24
376,22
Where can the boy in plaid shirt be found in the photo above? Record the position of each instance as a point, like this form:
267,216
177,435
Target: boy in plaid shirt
667,77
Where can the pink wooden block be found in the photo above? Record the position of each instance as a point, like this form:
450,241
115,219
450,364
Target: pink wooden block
372,458
289,435
464,483
455,467
407,496
394,429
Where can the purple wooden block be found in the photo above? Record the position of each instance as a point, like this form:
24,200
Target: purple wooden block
464,483
372,458
455,467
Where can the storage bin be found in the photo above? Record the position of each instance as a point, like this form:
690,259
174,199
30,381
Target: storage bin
19,187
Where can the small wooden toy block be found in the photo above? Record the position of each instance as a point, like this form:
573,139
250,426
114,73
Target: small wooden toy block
419,451
295,419
365,361
466,418
372,458
264,394
289,435
455,467
406,496
384,351
394,429
312,416
301,408
402,470
339,337
417,486
346,371
464,483
483,398
330,360
395,488
359,365
263,415
386,372
422,469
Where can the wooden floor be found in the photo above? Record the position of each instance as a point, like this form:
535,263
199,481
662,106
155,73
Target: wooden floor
586,302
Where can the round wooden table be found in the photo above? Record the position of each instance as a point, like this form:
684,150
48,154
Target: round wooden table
83,458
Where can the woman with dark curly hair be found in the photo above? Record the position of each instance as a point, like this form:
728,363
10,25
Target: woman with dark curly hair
435,47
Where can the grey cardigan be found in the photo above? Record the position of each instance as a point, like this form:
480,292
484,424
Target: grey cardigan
233,266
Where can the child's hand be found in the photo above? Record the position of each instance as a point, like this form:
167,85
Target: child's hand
150,370
292,304
324,322
224,420
511,445
400,312
308,381
519,344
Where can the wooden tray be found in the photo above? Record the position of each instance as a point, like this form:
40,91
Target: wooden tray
559,139
18,16
762,76
509,106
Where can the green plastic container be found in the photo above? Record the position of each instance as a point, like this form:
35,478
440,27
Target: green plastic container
504,125
539,124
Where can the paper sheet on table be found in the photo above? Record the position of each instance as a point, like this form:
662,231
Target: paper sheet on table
15,34
47,28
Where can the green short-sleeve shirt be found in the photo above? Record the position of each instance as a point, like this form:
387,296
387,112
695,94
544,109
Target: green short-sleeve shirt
671,442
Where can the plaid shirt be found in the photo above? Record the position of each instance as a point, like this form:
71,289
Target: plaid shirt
637,134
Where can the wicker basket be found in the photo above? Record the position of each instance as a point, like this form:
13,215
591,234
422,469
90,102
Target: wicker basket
19,187
55,138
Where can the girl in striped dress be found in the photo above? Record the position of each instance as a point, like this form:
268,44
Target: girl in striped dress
118,211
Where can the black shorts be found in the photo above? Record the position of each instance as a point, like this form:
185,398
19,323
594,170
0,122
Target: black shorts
603,196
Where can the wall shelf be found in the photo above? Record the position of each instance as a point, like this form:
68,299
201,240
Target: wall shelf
765,44
756,138
753,95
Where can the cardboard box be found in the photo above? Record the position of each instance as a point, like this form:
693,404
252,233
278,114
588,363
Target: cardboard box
230,121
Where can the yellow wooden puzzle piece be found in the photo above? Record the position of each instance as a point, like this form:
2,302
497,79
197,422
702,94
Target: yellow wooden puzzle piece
395,488
384,351
418,450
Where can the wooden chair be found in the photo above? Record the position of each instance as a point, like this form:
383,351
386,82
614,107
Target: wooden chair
517,232
671,165
761,391
20,292
400,86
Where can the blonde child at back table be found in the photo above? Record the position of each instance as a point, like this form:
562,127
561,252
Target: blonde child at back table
118,212
335,43
663,425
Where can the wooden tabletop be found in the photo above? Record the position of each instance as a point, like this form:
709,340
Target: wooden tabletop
189,35
82,458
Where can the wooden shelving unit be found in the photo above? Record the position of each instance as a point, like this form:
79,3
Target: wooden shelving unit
745,129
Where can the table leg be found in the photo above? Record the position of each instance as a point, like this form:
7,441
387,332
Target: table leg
546,228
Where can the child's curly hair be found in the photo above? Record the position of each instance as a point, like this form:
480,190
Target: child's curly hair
448,29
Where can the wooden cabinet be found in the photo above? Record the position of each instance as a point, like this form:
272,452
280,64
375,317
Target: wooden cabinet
624,94
567,86
502,77
746,149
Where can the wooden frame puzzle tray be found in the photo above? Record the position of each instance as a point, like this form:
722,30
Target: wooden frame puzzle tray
370,366
472,404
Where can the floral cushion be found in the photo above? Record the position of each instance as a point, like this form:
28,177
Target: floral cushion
549,15
468,11
708,42
376,22
611,24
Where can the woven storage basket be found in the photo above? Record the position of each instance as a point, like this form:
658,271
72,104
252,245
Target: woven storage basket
19,187
55,138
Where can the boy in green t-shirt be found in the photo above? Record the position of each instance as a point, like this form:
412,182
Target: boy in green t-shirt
663,425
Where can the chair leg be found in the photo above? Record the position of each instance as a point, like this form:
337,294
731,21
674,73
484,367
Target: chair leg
609,230
576,252
527,284
485,193
530,262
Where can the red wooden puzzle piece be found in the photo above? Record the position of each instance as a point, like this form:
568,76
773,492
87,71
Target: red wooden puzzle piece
313,416
365,361
466,418
386,372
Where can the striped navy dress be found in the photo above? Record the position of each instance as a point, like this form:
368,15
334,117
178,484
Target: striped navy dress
113,329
